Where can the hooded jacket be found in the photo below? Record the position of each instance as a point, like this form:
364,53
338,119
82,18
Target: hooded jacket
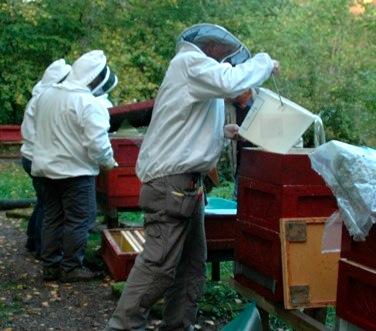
186,129
71,126
54,73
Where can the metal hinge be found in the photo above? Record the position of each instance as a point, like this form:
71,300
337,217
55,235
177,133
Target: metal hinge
299,294
296,231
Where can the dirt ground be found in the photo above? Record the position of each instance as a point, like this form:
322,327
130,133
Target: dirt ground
29,303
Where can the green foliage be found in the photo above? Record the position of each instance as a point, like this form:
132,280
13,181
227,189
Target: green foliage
93,256
131,218
326,53
14,182
225,190
220,301
117,288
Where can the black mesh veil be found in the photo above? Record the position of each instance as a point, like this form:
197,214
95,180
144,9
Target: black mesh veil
200,34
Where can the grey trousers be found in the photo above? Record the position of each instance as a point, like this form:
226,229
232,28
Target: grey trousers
70,209
172,264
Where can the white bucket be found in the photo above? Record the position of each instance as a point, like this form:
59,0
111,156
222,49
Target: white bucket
273,125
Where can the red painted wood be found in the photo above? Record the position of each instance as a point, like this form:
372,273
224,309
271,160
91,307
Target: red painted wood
126,150
259,249
356,294
289,169
120,187
132,107
264,203
362,252
118,263
220,231
10,133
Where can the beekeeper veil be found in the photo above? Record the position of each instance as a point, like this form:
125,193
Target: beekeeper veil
108,81
91,70
215,41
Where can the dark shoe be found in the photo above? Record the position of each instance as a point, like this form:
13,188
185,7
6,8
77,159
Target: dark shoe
51,273
79,275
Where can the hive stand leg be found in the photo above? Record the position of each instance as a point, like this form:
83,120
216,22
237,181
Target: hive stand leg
216,271
111,218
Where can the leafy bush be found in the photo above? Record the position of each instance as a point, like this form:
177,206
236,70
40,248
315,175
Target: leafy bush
326,49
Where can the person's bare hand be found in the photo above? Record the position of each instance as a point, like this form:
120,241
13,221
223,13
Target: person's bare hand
231,131
276,68
109,167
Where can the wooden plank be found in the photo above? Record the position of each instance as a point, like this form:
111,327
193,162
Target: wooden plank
295,318
128,237
309,276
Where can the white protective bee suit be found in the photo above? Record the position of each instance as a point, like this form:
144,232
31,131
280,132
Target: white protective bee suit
54,73
183,141
71,142
186,130
72,138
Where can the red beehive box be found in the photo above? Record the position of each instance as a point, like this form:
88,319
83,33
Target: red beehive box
120,186
220,231
126,150
356,294
362,252
220,217
293,168
117,253
10,133
264,203
258,259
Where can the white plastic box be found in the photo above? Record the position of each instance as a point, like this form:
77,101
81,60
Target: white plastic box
274,125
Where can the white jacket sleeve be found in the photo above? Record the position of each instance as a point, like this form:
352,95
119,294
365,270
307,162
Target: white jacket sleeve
96,140
210,79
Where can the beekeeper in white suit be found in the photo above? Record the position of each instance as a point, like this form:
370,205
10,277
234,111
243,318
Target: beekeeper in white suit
183,142
56,72
71,143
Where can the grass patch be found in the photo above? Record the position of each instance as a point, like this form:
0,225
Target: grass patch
14,182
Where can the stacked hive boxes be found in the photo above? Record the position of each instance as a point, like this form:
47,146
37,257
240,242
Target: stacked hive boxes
356,294
119,188
282,193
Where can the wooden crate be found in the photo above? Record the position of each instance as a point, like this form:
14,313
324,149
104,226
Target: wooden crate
258,259
263,203
293,168
119,188
309,276
126,150
119,251
356,294
362,252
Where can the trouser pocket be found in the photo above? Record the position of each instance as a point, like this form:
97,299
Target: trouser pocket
182,202
155,245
